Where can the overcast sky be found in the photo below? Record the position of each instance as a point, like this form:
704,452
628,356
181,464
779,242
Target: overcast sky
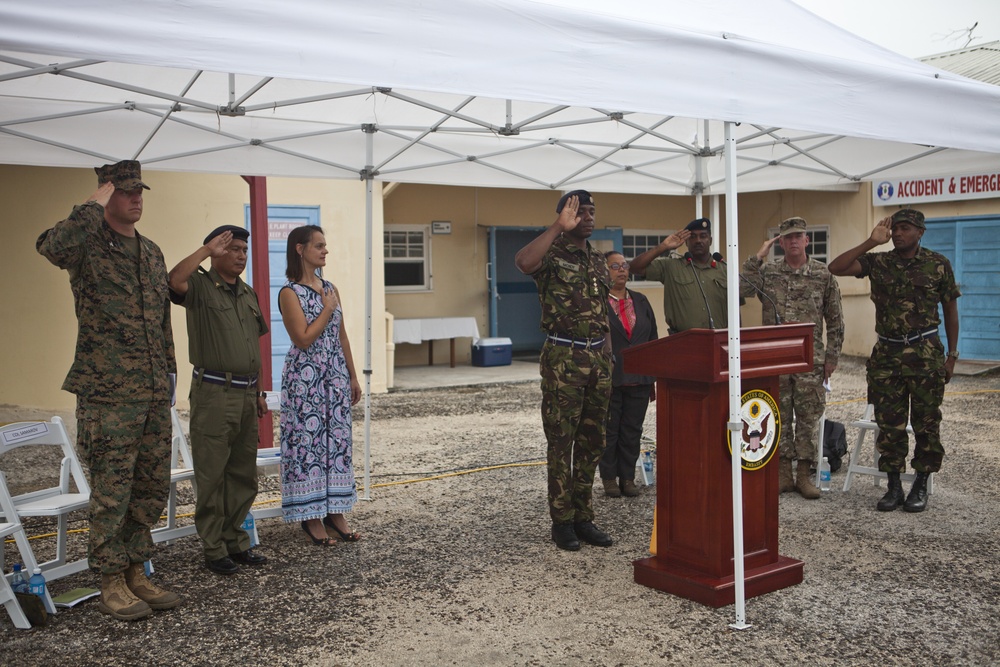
913,28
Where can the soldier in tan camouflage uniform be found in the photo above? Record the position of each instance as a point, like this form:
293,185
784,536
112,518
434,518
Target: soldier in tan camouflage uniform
573,286
121,376
801,289
908,369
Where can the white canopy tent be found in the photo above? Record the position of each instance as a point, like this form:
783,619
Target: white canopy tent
645,96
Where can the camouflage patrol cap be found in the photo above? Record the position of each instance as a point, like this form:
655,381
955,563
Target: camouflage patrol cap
701,224
910,215
791,226
126,175
586,199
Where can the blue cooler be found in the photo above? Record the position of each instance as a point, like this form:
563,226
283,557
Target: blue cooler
492,352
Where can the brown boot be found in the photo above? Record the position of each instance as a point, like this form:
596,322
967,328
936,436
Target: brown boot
785,481
147,591
629,489
803,484
611,489
118,601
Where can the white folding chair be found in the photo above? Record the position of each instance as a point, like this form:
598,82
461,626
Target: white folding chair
181,470
865,425
56,501
11,526
268,461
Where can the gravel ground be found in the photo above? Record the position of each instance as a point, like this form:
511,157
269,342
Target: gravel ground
459,569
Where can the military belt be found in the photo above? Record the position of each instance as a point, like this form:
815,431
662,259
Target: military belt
910,338
226,379
586,343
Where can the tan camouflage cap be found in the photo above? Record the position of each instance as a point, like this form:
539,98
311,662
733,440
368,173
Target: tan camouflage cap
791,226
910,215
126,175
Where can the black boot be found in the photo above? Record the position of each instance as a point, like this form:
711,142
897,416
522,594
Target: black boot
916,501
893,498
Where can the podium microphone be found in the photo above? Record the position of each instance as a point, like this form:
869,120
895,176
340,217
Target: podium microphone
762,293
688,258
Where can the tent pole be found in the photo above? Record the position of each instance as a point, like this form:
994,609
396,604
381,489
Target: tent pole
735,424
262,285
369,178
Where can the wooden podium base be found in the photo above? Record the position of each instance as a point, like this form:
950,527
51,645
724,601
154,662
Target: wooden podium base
712,591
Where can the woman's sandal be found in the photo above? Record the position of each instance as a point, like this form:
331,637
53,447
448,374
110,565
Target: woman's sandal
347,537
318,541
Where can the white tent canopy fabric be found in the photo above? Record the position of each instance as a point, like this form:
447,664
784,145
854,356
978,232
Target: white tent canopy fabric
615,97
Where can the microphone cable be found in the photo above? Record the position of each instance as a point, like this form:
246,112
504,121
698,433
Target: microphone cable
777,318
689,259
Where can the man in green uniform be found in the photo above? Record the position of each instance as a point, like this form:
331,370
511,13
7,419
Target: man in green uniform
224,323
121,375
798,288
907,369
573,285
694,286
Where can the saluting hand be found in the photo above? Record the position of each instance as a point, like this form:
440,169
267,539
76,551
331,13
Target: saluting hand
103,193
765,248
675,240
217,246
883,231
569,217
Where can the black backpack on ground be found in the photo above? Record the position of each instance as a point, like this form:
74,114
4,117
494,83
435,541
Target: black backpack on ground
834,443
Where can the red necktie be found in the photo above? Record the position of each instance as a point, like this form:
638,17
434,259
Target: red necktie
623,314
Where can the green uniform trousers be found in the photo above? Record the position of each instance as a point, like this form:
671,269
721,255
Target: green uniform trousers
224,449
803,396
576,391
126,446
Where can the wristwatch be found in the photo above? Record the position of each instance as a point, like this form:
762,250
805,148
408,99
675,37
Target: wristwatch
953,354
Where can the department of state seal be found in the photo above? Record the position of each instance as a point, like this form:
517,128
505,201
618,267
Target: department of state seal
761,429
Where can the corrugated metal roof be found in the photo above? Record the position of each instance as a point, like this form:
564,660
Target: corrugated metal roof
980,62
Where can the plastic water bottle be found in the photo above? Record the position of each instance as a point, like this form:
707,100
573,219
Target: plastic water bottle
17,582
36,585
647,462
824,474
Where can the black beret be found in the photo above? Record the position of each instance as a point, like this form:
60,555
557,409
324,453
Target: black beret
699,224
239,234
586,199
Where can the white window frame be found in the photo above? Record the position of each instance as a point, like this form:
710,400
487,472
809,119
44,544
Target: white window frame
810,232
661,234
428,284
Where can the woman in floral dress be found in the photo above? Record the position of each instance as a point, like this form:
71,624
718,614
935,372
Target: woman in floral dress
319,386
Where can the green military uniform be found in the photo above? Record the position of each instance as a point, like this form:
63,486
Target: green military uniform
683,303
573,286
809,293
224,324
906,379
121,377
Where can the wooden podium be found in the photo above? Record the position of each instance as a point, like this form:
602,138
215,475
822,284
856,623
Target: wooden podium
694,522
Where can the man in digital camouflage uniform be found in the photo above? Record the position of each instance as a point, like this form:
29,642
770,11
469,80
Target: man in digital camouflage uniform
224,324
573,285
908,368
801,289
122,377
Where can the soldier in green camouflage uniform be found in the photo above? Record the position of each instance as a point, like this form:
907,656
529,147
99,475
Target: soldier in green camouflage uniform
908,368
801,289
573,285
122,377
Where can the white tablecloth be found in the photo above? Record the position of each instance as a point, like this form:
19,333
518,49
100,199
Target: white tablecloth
434,328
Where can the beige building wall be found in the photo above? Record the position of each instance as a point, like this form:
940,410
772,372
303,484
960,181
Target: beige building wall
39,327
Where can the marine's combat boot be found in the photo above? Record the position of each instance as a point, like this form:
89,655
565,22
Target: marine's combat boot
785,481
803,483
144,589
916,501
893,498
118,601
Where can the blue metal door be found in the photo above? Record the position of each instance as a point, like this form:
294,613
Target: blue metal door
972,245
280,221
514,309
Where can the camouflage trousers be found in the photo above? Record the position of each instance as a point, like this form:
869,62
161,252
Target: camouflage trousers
803,396
576,389
224,448
903,389
126,446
